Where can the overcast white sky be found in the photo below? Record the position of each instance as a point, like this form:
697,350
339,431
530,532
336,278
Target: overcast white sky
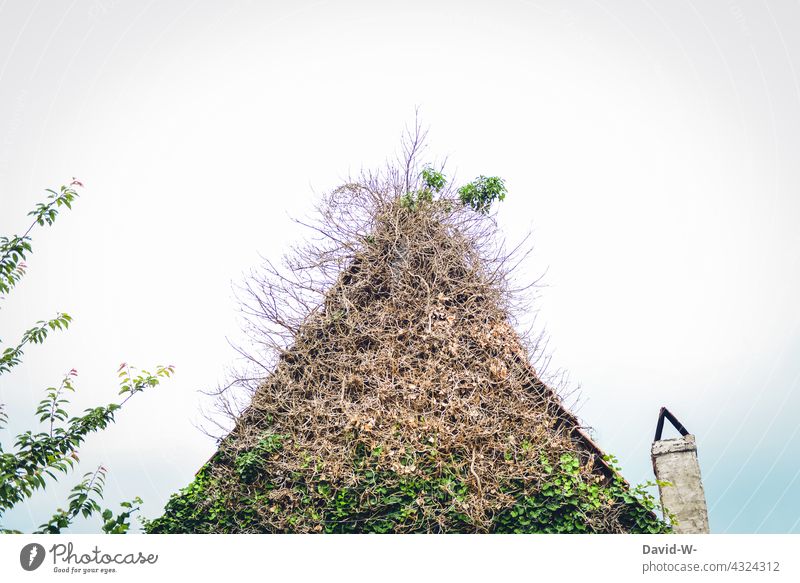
651,147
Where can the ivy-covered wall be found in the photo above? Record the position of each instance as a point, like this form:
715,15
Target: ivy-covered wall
238,497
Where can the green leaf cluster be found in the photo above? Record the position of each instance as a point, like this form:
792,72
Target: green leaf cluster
433,182
482,192
204,507
249,463
567,499
84,500
14,250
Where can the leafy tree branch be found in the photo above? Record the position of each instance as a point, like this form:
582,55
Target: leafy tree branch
13,250
40,456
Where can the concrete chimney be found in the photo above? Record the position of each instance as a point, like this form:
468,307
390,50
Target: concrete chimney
675,461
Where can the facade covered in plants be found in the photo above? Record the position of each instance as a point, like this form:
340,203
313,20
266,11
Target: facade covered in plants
397,396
